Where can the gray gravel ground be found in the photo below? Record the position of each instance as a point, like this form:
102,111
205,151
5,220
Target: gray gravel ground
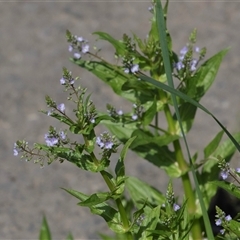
33,51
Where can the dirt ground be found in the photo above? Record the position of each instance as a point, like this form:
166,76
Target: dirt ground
33,50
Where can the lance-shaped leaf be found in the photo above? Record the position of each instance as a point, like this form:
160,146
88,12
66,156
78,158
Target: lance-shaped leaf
140,192
197,86
211,147
117,44
149,224
120,168
45,233
108,213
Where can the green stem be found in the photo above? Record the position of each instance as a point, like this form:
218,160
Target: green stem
110,184
187,186
120,207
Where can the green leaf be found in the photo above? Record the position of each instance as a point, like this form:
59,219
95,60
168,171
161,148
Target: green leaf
120,168
105,237
145,137
161,157
140,192
70,237
187,113
83,161
205,75
95,199
149,114
227,148
118,45
108,213
149,224
45,233
211,147
234,227
229,187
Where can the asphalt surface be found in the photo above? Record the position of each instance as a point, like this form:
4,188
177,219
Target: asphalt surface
33,50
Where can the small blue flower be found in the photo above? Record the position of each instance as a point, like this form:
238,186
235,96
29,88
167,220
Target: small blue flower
77,55
218,222
62,135
79,39
193,65
62,81
197,49
134,117
61,107
184,50
179,66
15,150
176,207
126,70
85,48
135,68
92,120
228,218
70,48
50,140
99,142
109,145
224,174
222,231
120,112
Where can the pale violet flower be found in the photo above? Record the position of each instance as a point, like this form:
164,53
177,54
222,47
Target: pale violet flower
120,112
193,66
61,107
62,81
135,68
228,218
222,231
15,150
50,140
184,50
218,222
109,145
179,66
134,117
70,48
197,49
238,170
126,70
62,135
80,39
85,48
77,55
176,207
224,174
99,142
92,120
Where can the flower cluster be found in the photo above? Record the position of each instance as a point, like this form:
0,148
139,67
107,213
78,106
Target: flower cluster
67,78
225,168
113,112
54,138
138,111
221,219
54,106
131,68
18,147
186,59
78,45
105,141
